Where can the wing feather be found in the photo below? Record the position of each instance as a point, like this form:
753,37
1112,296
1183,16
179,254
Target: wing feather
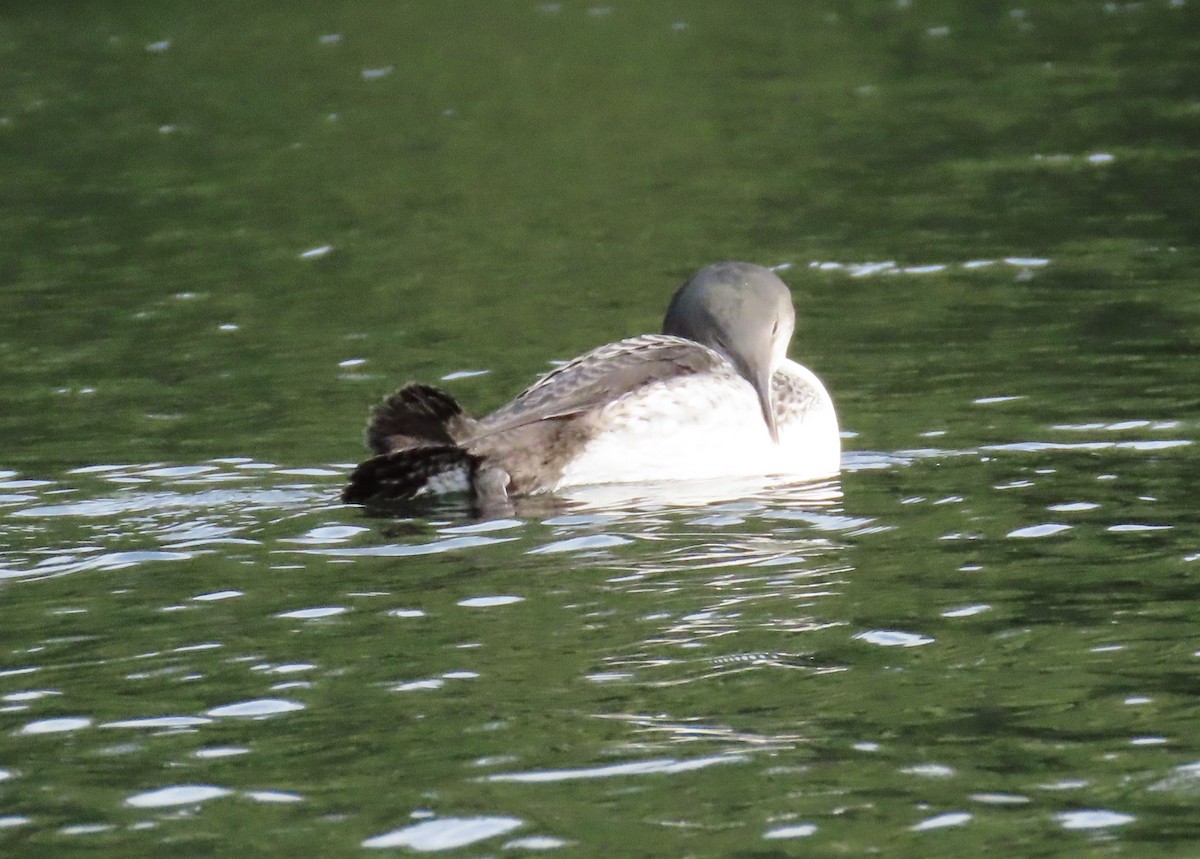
601,376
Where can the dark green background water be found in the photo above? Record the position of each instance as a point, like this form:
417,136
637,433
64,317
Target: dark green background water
226,229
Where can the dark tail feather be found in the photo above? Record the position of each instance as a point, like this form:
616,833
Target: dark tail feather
415,415
408,473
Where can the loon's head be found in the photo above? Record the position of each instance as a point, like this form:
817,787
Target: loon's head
744,311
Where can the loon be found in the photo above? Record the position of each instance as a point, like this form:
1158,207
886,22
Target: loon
713,396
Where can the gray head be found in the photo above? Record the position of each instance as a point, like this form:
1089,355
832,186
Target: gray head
744,312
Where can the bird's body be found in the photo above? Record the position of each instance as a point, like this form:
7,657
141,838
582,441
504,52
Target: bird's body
708,425
709,399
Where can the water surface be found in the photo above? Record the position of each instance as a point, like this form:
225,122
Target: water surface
227,232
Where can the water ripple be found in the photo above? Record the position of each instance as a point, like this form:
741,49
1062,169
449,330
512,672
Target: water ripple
1073,507
446,833
328,534
160,722
273,796
158,502
257,709
942,821
64,564
220,752
1093,819
1039,446
400,551
967,611
1000,798
1046,529
490,601
216,596
183,794
652,767
795,830
60,725
536,842
578,544
893,638
313,613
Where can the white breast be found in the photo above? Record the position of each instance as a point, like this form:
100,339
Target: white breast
710,426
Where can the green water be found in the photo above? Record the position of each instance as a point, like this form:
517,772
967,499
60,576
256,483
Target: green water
226,230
